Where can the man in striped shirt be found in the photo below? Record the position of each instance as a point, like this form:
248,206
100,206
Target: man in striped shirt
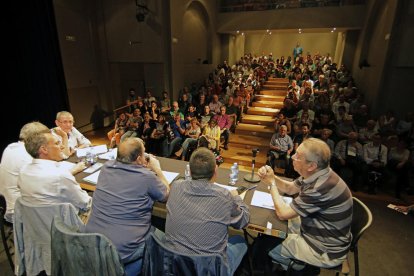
319,216
199,213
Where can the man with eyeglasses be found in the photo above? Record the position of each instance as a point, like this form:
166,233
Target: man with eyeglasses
73,138
319,217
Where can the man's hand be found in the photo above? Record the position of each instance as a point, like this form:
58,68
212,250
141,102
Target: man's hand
78,168
60,132
267,174
153,164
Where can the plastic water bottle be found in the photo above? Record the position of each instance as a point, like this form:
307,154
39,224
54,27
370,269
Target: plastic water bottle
89,158
234,174
187,172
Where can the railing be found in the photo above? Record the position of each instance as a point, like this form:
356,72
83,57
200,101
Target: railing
260,5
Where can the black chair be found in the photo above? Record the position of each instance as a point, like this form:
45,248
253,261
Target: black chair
361,220
75,253
6,229
159,260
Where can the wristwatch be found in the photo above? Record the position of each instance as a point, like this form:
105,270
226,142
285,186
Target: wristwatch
272,185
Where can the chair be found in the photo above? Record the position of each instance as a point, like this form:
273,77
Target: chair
75,253
6,234
31,229
361,220
159,260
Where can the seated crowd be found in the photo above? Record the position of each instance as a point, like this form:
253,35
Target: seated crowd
323,124
322,101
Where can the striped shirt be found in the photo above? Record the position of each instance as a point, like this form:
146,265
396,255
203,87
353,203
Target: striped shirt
198,216
324,204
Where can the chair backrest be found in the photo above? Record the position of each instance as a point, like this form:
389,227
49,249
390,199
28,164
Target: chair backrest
75,253
160,260
3,206
32,234
361,220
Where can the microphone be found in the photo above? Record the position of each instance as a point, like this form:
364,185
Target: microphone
251,177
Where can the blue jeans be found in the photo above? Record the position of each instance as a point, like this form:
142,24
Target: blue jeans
174,145
236,249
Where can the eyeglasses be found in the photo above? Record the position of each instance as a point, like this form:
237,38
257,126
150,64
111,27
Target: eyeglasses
295,157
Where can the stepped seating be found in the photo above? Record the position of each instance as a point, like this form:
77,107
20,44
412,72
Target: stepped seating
258,120
256,127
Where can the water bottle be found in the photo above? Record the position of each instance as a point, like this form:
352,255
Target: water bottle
187,172
234,174
90,158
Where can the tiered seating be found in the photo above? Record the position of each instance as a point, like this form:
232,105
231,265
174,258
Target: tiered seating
256,127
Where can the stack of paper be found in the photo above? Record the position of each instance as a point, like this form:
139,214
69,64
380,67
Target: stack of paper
264,200
95,150
110,155
93,178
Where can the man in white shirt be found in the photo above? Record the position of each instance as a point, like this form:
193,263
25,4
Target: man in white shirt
64,122
13,159
43,181
375,157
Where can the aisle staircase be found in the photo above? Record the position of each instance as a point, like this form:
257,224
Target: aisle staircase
256,127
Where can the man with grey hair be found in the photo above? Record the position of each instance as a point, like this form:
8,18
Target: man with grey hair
199,213
320,216
281,145
44,181
13,159
68,135
125,193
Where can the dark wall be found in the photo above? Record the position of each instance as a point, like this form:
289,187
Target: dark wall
35,83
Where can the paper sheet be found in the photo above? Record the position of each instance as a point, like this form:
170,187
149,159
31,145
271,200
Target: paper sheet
264,200
394,207
93,178
110,155
170,176
95,149
93,168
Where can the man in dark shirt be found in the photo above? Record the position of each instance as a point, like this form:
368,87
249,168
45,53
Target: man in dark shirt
200,212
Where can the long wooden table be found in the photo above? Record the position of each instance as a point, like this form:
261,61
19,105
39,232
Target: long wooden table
259,217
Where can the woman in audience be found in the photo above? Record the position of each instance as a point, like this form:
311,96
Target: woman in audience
158,137
115,134
154,111
212,133
192,134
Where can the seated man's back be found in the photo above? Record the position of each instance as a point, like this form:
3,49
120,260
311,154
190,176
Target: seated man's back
199,213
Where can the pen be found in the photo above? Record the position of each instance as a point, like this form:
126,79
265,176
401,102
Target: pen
252,187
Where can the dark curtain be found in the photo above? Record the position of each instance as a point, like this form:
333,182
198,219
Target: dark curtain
35,83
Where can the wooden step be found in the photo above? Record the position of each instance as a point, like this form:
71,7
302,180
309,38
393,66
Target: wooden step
264,111
260,97
274,86
258,120
278,80
254,130
270,104
249,142
243,157
280,93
